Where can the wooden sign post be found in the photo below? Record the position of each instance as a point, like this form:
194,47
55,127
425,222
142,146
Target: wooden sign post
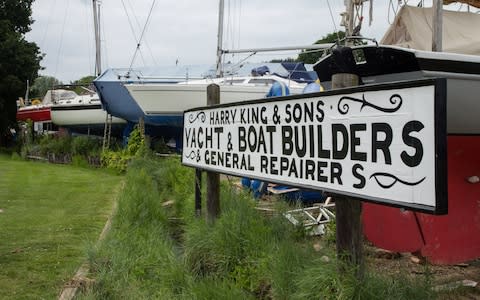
213,178
348,212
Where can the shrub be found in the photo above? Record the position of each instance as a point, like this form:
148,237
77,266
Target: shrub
85,146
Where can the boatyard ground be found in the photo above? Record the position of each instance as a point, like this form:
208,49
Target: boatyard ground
156,248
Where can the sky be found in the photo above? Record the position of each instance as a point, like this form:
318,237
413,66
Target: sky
183,31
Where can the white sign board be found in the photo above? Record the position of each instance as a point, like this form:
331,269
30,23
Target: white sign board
381,143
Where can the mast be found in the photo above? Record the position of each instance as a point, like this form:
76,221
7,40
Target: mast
350,18
220,39
96,25
437,25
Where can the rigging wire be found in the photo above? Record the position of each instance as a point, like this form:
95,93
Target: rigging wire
61,38
147,44
143,32
51,10
333,21
90,37
239,22
132,29
102,28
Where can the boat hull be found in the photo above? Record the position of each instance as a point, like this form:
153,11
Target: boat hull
448,239
34,113
166,103
78,115
389,64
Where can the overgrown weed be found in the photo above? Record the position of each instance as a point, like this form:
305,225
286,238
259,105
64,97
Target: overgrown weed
162,251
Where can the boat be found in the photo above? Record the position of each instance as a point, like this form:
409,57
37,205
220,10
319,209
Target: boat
385,63
118,102
83,114
455,237
39,111
165,103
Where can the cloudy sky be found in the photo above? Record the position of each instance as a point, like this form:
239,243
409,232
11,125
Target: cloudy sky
183,30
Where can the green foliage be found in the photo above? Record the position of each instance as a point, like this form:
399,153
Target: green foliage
58,145
16,14
42,84
309,57
115,160
157,249
19,59
136,141
118,160
322,280
85,145
84,81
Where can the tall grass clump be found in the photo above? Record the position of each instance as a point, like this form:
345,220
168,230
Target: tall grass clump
158,249
138,257
322,280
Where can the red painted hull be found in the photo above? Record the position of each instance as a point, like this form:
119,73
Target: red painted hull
448,239
36,114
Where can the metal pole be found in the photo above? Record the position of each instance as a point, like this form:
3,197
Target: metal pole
220,39
96,25
437,25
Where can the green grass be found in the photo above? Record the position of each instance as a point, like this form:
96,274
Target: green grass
164,252
51,213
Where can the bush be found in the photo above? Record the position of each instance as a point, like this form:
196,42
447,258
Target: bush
86,146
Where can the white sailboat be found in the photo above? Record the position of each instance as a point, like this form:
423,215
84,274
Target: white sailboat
166,102
81,113
172,99
84,113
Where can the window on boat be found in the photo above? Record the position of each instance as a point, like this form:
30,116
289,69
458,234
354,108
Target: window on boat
68,95
359,56
232,81
259,81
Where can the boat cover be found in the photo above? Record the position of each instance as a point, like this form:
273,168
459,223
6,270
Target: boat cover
412,28
475,3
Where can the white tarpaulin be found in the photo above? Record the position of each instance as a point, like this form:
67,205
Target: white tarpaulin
412,28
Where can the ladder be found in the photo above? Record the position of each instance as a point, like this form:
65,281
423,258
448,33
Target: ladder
107,132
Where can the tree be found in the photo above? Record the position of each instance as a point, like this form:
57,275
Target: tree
84,81
42,84
309,57
19,59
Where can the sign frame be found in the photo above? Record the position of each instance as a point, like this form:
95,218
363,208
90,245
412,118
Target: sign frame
440,147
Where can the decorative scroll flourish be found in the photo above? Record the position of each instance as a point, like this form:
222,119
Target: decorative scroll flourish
395,180
395,99
194,155
200,115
